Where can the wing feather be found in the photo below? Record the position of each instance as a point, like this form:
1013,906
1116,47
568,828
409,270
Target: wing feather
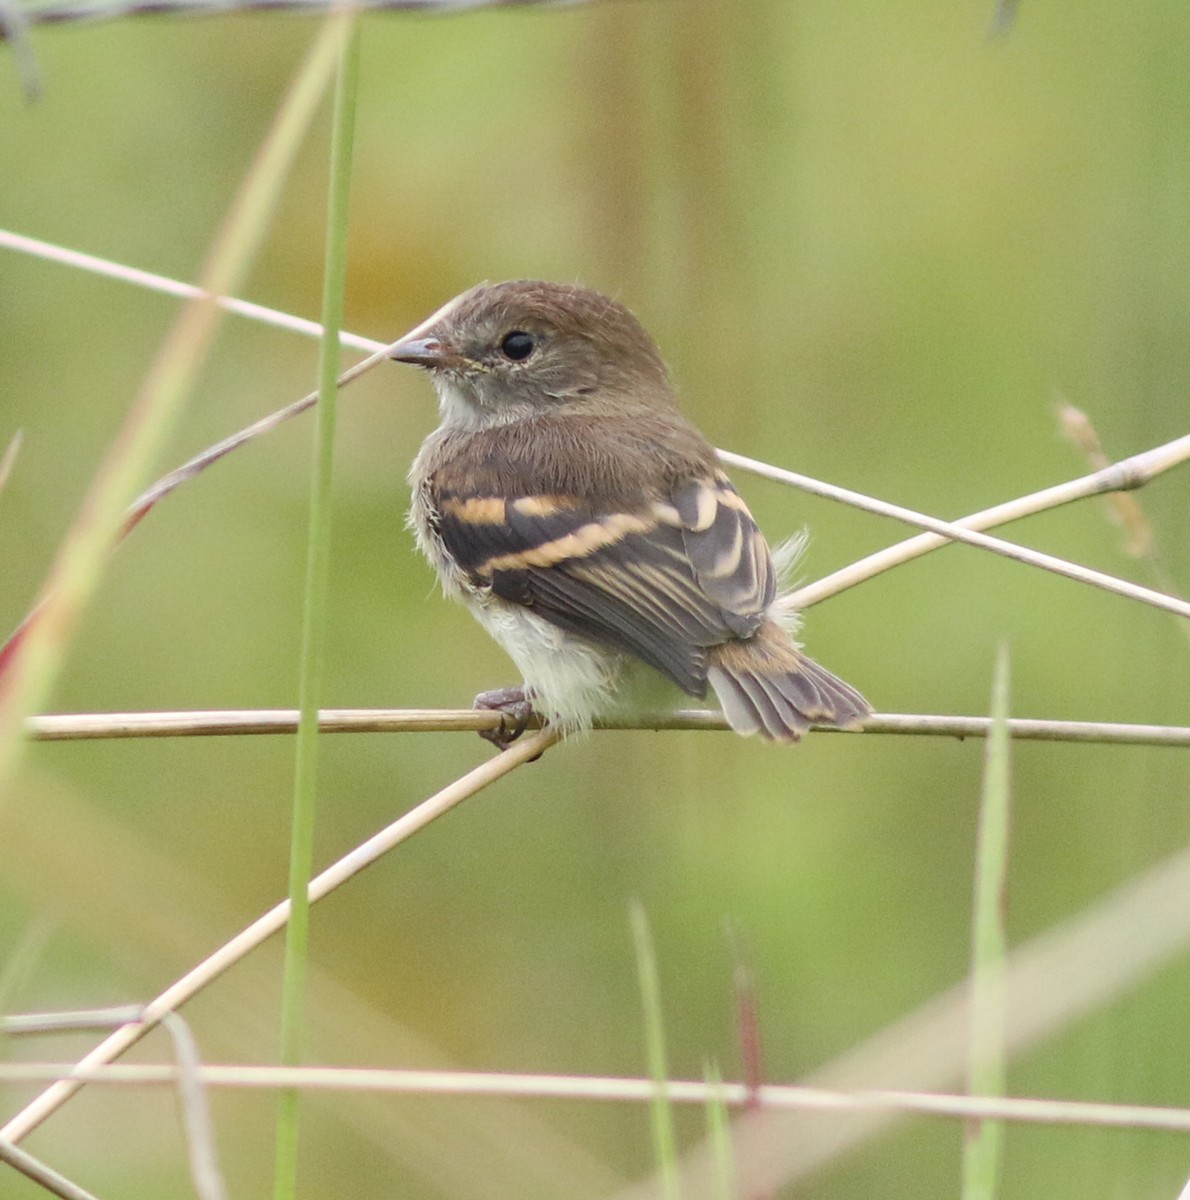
728,555
665,580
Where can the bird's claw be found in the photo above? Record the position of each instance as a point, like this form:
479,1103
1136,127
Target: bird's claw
515,709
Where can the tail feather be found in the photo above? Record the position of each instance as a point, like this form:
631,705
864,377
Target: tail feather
766,686
771,706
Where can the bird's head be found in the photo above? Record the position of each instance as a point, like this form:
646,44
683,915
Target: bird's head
503,352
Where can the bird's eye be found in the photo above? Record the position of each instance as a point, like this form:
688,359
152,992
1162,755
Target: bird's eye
518,345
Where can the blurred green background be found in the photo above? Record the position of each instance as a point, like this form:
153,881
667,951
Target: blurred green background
876,246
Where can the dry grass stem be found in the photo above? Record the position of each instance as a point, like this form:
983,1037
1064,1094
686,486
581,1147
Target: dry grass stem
1124,508
63,727
1161,458
46,1177
1128,473
606,1089
196,1112
350,865
194,466
152,282
57,14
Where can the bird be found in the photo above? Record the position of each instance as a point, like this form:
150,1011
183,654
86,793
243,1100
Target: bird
566,500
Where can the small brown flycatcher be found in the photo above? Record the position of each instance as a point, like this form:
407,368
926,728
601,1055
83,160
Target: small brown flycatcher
586,523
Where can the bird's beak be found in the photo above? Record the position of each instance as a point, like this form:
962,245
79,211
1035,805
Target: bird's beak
420,351
421,347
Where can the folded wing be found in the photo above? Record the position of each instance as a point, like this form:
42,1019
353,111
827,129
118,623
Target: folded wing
665,581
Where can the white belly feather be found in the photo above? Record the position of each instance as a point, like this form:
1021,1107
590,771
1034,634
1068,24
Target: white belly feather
571,681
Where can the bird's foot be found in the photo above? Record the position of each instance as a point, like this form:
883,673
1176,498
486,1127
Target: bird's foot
515,709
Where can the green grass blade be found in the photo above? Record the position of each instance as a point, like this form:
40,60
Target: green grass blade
664,1139
983,1139
719,1136
314,623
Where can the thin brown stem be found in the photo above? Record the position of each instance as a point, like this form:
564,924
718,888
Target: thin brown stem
62,727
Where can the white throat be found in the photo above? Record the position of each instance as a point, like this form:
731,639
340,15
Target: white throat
460,411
